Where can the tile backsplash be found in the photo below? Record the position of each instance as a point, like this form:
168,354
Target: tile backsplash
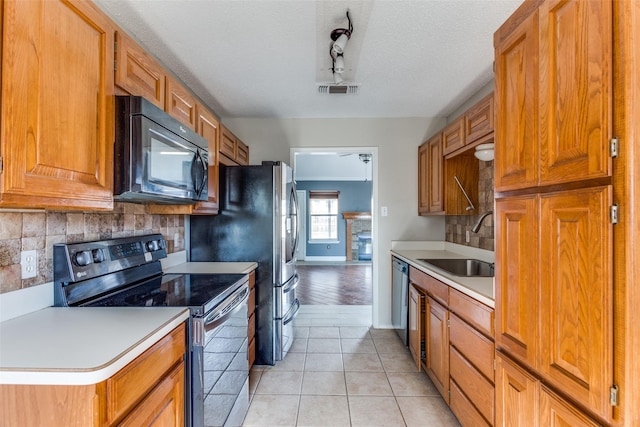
40,230
457,225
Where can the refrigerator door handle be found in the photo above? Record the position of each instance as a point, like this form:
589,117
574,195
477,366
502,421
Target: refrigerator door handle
296,309
291,284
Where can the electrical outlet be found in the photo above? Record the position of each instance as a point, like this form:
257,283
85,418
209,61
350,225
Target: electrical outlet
468,237
384,211
29,263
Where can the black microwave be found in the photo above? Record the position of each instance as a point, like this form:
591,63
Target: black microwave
157,158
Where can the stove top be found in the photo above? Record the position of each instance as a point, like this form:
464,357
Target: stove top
126,272
199,292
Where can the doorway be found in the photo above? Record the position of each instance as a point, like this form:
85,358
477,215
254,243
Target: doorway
331,279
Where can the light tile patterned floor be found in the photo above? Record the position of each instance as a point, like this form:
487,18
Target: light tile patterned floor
344,375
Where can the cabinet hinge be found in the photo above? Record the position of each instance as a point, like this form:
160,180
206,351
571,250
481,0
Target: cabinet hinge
613,395
613,214
494,365
614,145
1,164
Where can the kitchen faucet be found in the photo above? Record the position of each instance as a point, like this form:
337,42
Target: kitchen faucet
478,223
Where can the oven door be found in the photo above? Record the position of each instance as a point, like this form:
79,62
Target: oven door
220,368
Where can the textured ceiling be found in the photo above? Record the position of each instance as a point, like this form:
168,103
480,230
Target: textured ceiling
265,58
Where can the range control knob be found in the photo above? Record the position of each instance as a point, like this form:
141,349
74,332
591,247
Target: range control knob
98,255
83,258
153,245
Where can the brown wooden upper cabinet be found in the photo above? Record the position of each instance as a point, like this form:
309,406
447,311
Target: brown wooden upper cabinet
232,150
430,176
180,103
453,137
137,72
554,79
478,120
57,101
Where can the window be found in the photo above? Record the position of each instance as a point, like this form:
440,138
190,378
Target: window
323,215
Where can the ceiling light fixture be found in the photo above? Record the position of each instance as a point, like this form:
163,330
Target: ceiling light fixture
339,37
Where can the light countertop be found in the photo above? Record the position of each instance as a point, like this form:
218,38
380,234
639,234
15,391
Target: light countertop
176,263
479,288
213,268
80,345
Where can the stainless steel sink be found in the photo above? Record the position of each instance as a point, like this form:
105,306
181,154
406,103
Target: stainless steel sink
462,267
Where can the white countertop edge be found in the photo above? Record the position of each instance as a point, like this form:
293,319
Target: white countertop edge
450,281
66,377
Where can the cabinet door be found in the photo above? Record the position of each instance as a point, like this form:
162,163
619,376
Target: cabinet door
517,290
436,172
453,136
242,153
430,176
437,343
228,143
516,395
415,324
577,286
57,106
423,178
180,103
575,90
478,120
137,72
554,411
208,127
516,92
163,406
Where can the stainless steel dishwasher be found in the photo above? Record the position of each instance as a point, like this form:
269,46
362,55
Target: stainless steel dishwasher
400,299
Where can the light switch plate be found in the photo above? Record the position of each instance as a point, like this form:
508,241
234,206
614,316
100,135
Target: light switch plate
29,263
384,211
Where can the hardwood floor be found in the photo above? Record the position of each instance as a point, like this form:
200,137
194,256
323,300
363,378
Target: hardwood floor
344,284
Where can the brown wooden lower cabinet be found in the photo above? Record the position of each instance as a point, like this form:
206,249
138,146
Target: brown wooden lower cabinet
416,322
522,400
149,391
437,345
458,336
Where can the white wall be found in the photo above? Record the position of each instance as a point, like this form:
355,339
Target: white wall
397,142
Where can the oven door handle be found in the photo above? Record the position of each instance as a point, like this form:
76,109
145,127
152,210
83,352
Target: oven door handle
218,317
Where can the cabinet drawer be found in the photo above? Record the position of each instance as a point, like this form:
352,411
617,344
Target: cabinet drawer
475,313
134,381
466,413
438,290
476,388
475,347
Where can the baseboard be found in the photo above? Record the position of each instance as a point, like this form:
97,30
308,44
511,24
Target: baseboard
325,258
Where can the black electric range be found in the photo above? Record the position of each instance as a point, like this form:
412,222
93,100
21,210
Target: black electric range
127,272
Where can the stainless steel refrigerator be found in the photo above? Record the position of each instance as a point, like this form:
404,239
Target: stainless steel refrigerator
257,222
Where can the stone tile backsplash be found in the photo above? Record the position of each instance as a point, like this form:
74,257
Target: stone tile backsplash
457,225
25,230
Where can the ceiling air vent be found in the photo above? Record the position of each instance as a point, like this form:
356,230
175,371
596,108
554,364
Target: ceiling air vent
331,89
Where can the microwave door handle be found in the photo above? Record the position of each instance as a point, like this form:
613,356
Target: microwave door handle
198,169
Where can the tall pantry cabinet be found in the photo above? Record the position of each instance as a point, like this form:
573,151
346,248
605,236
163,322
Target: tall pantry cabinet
560,176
